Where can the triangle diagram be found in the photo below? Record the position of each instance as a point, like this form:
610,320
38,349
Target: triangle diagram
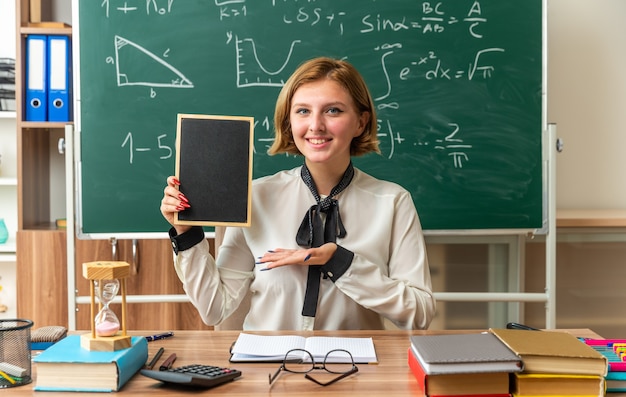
137,66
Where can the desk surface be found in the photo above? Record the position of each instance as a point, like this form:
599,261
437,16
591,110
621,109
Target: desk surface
390,377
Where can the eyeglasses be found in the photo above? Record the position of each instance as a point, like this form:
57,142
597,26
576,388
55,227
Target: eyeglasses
300,361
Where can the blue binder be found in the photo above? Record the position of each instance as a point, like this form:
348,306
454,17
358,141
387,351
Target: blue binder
59,104
36,74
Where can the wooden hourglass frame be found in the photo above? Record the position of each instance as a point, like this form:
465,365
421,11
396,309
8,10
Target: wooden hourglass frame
106,270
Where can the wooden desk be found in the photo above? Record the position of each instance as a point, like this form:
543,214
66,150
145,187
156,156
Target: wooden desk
391,377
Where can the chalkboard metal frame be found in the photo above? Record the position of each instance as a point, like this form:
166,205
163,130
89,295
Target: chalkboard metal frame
214,166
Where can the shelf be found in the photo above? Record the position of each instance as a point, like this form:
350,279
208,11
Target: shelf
67,31
8,248
44,124
7,115
591,218
7,258
8,181
44,227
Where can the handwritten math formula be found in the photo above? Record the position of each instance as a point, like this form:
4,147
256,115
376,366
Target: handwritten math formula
397,69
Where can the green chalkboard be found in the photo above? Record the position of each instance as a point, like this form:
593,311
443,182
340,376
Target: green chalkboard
458,86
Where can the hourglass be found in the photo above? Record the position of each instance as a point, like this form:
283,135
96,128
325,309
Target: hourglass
106,322
107,279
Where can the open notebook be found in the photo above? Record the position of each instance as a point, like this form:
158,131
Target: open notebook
271,348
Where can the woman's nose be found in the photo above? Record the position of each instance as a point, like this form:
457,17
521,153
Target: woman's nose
316,123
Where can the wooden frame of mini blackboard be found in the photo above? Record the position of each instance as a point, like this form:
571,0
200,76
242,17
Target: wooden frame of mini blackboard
214,167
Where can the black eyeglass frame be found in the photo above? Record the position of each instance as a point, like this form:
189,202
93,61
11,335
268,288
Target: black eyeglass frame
314,366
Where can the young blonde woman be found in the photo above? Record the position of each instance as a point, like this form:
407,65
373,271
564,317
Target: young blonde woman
330,247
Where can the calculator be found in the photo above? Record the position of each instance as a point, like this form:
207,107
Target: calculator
194,375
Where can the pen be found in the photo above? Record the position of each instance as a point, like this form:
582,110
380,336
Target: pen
521,326
159,336
167,364
155,358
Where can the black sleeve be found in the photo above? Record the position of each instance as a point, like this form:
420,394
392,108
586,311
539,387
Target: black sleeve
191,237
338,264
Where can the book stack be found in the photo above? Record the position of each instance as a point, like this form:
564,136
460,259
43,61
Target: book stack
475,364
555,364
615,352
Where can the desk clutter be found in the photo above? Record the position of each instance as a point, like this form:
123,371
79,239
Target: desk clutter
615,352
500,362
544,364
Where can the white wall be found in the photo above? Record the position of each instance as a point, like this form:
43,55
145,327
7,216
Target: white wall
587,101
7,28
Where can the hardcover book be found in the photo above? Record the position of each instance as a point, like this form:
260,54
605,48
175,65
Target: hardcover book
464,353
553,352
66,366
558,385
459,384
615,381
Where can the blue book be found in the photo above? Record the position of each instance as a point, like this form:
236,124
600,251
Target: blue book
66,366
615,381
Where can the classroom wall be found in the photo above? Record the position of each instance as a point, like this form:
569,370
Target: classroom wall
587,101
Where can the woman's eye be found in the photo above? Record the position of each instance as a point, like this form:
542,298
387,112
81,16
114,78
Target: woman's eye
302,111
334,110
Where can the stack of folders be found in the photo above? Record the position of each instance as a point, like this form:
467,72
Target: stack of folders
474,364
48,78
615,352
555,364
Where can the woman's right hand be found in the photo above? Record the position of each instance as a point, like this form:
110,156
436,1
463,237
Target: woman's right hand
173,202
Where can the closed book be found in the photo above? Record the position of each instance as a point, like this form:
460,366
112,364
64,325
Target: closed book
464,353
615,381
553,352
66,366
558,385
463,384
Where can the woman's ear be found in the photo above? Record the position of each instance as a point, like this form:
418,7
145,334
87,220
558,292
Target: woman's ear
364,118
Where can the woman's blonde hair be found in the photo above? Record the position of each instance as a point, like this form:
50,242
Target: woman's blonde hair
347,76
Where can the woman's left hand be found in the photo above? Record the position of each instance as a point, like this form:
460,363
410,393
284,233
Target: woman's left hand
303,257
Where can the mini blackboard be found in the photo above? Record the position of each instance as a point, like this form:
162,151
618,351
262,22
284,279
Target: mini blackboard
214,167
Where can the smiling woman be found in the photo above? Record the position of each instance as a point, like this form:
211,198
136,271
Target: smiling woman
346,249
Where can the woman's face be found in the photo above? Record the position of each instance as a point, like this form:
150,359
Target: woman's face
324,120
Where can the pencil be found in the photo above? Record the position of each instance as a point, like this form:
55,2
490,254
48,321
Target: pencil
156,357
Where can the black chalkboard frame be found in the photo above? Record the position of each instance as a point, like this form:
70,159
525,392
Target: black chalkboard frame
214,166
